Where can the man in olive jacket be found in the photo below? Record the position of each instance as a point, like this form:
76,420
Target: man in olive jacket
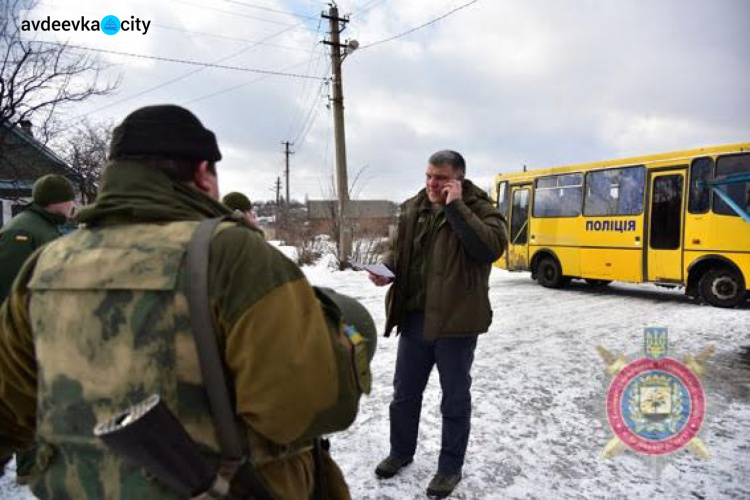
448,236
98,320
40,222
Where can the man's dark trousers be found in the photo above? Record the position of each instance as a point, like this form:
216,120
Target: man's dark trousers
414,363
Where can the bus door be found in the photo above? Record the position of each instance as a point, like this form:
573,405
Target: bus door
518,244
665,226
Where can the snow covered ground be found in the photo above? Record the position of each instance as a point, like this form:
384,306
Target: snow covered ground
538,398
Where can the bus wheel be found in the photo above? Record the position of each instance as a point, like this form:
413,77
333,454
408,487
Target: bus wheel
594,282
722,287
549,274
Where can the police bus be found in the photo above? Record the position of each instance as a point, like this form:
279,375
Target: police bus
675,219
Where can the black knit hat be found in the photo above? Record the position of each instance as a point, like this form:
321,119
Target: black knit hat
51,189
237,201
166,130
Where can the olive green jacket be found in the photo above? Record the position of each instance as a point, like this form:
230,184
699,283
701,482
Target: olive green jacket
458,263
291,367
29,230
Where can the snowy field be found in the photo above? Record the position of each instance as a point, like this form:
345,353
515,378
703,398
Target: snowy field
538,397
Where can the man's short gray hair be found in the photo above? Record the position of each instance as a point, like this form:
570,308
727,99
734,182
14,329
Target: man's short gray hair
449,157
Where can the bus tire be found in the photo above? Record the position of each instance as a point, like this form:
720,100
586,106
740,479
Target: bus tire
594,282
549,274
722,287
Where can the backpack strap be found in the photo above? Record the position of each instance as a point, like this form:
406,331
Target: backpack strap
211,365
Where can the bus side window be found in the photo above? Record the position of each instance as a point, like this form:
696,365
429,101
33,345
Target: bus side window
616,191
558,196
739,191
700,191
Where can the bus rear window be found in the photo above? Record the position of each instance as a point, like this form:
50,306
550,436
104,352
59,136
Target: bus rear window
739,192
700,191
617,191
558,196
502,197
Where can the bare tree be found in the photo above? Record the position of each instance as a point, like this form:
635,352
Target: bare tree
85,151
368,245
38,79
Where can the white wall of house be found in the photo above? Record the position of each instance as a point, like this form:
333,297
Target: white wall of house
6,208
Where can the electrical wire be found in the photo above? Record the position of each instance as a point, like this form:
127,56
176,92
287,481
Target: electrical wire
194,63
183,76
234,13
297,115
364,9
268,9
241,85
311,118
412,30
230,38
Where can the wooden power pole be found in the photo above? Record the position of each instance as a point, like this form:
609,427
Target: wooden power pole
287,153
337,25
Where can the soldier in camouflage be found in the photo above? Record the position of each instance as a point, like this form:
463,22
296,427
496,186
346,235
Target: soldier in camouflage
98,320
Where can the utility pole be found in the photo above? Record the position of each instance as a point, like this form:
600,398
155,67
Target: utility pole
278,218
278,193
337,25
287,153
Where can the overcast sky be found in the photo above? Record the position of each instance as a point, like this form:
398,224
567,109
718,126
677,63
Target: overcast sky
507,83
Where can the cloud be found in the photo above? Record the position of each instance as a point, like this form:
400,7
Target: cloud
540,83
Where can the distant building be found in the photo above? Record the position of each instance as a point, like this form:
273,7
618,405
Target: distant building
23,160
368,216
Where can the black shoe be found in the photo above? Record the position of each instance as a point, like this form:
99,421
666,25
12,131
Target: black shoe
391,466
443,485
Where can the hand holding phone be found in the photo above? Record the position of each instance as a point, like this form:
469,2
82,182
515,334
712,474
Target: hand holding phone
452,191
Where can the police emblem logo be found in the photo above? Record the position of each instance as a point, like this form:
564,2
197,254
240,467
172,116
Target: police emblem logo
656,405
655,342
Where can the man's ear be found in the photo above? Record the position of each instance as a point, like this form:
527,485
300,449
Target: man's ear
201,177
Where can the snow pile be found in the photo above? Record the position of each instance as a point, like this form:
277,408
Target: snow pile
289,251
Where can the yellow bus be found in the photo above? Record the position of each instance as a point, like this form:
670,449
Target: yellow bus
674,219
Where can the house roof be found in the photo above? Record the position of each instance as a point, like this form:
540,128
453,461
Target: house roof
23,158
358,209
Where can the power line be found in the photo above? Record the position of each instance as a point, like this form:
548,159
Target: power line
270,9
236,14
306,83
195,63
231,38
428,23
194,71
311,119
364,9
244,84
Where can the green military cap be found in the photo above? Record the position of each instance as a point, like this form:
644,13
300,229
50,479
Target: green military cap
51,189
237,201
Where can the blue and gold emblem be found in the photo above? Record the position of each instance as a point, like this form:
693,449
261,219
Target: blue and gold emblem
655,405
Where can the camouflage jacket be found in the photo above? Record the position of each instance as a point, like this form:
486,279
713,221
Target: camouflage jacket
83,340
